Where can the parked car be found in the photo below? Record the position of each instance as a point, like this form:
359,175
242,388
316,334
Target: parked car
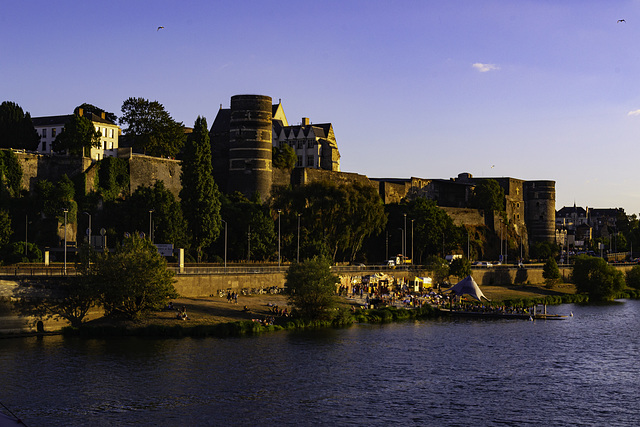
482,264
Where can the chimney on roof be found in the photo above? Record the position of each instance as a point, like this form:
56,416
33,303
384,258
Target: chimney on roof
80,111
102,115
305,121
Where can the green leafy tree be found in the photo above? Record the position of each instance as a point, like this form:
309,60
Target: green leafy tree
13,253
79,134
551,272
311,288
460,267
250,227
335,219
284,157
488,195
365,216
151,128
88,108
134,280
200,197
594,276
544,250
112,178
633,277
439,269
5,228
10,175
132,215
434,230
16,128
70,300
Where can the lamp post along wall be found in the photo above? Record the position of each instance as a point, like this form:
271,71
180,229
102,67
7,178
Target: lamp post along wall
225,244
65,241
279,237
298,251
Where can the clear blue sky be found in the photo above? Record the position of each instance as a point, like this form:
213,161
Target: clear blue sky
544,89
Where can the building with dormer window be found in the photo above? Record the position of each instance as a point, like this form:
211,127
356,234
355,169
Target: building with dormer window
50,126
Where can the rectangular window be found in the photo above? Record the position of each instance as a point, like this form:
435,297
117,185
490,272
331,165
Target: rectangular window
310,161
44,133
53,132
44,146
111,133
299,163
300,144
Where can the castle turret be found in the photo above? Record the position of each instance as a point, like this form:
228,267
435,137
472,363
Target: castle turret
250,145
540,210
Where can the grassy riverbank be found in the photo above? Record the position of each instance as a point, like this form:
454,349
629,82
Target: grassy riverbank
217,317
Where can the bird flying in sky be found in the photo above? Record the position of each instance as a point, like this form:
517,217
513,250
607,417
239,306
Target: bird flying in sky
621,20
162,28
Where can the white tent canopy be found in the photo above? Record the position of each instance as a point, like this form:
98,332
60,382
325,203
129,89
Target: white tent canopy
467,286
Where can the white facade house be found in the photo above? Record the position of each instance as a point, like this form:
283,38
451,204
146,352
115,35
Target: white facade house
50,126
315,144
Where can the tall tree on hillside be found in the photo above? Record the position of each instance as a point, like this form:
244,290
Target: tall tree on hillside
16,128
199,196
151,127
434,230
335,218
251,229
167,221
488,195
78,134
88,108
284,157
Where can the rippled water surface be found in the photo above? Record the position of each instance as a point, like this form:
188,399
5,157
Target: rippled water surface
578,371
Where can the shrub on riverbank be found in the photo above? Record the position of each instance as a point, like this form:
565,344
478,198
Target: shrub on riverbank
219,330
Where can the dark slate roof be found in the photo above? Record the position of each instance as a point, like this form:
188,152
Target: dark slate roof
320,130
610,212
51,120
567,211
222,121
97,119
63,120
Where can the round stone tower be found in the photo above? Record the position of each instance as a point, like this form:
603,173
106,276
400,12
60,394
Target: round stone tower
540,210
250,145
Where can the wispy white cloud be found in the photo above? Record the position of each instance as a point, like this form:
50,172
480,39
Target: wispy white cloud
634,113
483,68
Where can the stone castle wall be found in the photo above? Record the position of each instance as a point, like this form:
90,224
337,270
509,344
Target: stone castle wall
146,170
36,167
301,176
465,216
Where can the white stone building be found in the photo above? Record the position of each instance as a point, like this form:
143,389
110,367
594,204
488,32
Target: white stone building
50,126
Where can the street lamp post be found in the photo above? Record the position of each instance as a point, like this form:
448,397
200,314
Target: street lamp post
279,237
468,251
65,241
150,226
225,244
412,240
386,253
26,227
404,240
298,252
249,245
89,229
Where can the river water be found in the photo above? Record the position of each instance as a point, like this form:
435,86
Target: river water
460,372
